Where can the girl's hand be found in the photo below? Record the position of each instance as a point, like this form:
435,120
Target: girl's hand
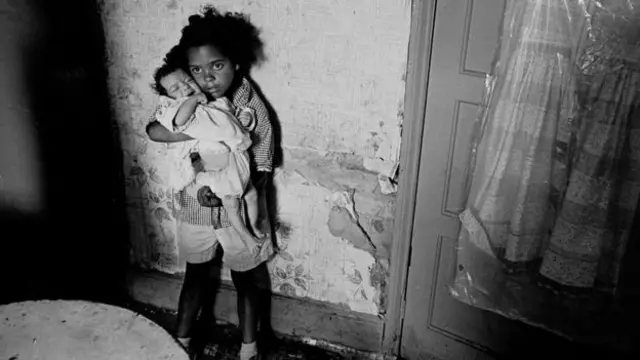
207,198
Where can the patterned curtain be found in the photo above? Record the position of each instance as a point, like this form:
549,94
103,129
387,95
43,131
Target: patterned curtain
600,198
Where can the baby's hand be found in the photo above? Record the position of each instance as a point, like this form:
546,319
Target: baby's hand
246,118
200,97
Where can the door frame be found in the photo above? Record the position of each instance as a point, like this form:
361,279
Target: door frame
415,101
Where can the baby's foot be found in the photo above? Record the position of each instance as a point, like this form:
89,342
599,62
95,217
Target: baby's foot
259,233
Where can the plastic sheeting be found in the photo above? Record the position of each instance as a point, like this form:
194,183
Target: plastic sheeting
555,171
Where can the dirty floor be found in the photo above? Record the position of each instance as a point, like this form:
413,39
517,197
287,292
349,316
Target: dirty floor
223,342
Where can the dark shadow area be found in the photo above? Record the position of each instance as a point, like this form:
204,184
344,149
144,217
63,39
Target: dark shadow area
77,247
629,294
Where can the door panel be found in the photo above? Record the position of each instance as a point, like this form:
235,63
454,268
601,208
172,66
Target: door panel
464,38
480,34
464,114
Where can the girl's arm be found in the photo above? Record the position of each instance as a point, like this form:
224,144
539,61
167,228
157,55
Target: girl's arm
159,133
187,109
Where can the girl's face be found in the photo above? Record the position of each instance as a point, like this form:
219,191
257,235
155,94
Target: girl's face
212,70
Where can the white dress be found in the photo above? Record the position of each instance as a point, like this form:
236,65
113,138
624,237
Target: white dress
221,141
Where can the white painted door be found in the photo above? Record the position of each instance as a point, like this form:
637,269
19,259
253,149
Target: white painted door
465,34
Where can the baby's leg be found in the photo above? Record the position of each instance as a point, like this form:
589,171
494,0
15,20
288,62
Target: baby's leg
234,213
253,210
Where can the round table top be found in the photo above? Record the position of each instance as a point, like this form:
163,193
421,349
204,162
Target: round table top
68,330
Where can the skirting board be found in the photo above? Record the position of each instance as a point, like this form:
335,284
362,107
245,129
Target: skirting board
303,318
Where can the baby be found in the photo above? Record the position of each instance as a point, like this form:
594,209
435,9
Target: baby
221,141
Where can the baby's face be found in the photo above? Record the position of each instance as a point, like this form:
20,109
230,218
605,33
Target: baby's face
179,84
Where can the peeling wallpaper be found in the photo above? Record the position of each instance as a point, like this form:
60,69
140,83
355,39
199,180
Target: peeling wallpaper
334,74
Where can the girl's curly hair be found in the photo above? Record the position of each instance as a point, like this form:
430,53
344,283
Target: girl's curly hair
230,33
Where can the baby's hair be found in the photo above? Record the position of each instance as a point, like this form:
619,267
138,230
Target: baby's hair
170,64
231,33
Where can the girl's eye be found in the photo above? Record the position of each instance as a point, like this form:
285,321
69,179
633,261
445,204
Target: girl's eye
218,66
195,70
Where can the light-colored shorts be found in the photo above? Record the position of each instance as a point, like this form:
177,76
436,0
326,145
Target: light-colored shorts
236,256
196,243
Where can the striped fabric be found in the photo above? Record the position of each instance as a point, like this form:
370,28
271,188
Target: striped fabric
262,148
186,208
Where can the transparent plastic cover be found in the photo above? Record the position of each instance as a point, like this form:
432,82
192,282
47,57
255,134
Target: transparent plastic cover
555,172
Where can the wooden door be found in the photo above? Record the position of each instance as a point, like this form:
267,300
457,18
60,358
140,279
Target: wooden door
464,36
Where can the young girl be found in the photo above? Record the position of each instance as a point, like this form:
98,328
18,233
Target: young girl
222,146
218,50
